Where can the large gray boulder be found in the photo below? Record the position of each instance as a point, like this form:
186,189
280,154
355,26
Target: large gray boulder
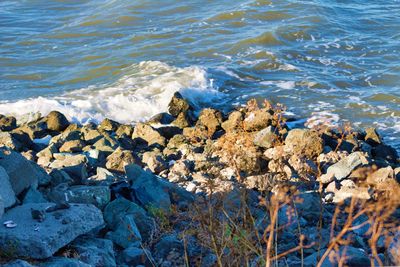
36,240
6,191
22,173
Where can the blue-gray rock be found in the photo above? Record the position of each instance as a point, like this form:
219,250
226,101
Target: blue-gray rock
18,263
353,257
34,196
1,207
96,252
41,240
116,210
97,195
394,250
152,191
168,244
344,167
6,191
134,256
22,173
126,233
64,262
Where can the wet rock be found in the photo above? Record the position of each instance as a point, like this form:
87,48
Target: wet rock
266,138
22,173
257,120
344,167
119,159
161,118
109,125
169,131
49,236
96,252
61,262
7,123
72,146
211,119
372,137
149,134
99,196
304,142
56,121
6,192
178,105
234,122
121,207
385,152
134,256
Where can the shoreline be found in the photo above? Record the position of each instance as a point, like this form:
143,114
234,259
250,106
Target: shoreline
142,192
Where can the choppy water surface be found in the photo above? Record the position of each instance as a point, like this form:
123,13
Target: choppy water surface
324,59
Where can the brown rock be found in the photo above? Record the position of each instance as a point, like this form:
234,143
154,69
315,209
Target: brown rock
178,105
119,159
372,137
257,120
109,125
72,146
7,123
304,142
234,122
211,119
148,134
56,121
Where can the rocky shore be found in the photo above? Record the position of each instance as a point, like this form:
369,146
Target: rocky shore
196,188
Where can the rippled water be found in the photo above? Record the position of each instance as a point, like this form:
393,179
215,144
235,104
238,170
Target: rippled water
324,59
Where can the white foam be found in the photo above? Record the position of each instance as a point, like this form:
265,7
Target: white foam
281,84
144,91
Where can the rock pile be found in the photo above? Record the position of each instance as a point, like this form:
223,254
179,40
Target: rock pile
121,195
